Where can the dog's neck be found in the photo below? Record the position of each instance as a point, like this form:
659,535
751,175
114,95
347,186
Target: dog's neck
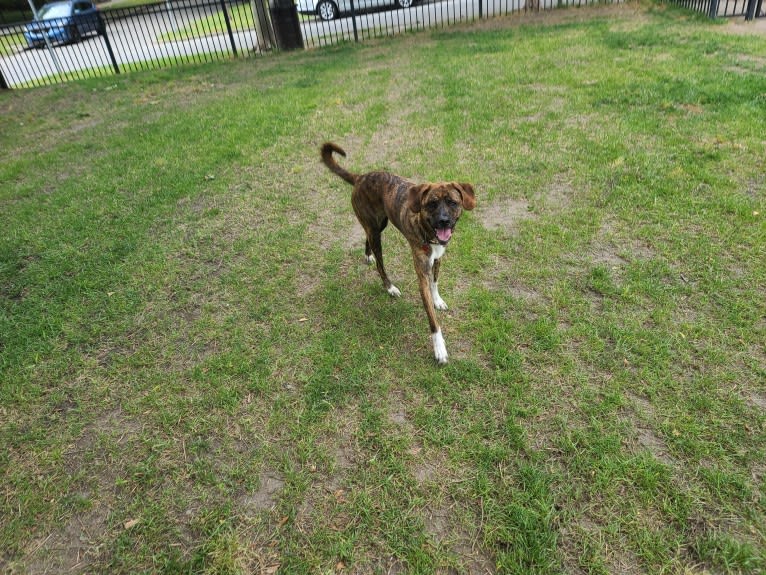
433,249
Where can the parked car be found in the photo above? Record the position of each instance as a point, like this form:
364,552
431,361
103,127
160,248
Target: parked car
331,9
64,23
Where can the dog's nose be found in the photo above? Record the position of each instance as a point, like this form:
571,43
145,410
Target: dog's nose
444,222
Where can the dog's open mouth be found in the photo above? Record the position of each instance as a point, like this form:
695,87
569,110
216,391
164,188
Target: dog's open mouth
443,235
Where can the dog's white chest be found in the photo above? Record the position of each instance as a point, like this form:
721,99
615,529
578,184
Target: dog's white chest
437,251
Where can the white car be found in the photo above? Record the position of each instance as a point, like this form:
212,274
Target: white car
331,9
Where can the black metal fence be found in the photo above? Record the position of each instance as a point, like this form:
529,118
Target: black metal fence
750,9
182,31
146,37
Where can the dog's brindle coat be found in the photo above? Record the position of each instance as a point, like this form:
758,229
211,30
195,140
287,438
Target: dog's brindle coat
426,214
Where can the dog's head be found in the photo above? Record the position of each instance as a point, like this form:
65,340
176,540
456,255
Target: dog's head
440,205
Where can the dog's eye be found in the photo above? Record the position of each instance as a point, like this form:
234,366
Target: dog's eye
452,203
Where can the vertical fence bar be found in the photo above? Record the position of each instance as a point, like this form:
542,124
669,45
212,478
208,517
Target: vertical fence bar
353,21
109,50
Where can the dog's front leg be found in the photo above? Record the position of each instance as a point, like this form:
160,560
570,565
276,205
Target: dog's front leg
434,285
424,269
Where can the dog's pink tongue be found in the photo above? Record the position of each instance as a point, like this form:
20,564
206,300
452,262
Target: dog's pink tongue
444,234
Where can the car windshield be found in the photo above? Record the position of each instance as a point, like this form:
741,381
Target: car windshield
61,10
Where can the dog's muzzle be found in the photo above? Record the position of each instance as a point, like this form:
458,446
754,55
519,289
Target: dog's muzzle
443,234
443,225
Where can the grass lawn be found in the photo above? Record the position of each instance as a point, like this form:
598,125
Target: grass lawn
200,375
240,18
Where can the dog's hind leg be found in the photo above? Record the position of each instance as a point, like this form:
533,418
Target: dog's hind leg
374,244
368,257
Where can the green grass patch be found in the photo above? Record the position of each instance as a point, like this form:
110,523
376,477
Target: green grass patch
12,43
240,18
199,374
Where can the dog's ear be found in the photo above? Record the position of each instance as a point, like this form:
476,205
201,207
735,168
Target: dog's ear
415,197
466,191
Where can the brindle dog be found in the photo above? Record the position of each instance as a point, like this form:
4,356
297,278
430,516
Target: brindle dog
426,214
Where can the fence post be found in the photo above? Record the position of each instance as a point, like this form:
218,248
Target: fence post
287,26
228,26
750,14
481,9
3,84
713,11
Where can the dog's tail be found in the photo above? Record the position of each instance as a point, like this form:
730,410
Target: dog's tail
327,150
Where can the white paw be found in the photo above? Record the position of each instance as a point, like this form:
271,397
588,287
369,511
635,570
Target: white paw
438,301
394,291
440,350
369,259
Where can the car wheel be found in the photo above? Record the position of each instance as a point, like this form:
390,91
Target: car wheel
404,3
327,10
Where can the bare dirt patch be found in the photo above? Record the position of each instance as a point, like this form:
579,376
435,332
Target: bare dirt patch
71,548
443,524
427,470
585,536
613,250
758,400
267,495
395,133
645,435
606,255
557,196
504,215
524,293
740,27
75,544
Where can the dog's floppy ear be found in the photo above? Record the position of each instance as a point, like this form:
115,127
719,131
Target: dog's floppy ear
415,197
466,191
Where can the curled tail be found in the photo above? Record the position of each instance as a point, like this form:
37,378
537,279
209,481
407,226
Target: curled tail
327,150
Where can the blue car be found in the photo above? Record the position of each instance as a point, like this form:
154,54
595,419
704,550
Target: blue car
64,23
